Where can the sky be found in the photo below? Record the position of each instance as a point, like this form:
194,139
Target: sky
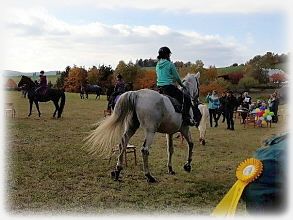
50,35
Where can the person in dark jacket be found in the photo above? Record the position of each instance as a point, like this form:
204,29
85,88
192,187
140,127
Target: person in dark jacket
119,89
274,106
167,77
43,85
230,104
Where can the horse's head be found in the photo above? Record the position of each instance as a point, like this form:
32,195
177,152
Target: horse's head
25,81
191,82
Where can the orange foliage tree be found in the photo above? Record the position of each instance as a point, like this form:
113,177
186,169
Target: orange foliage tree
10,84
206,88
145,79
76,77
92,75
208,75
278,78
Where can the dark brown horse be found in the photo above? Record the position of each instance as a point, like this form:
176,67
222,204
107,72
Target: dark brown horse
51,95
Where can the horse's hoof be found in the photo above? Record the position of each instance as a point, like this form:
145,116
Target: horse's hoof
203,142
187,167
170,171
150,178
115,175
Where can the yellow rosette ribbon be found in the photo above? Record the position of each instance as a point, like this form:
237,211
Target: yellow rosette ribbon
247,171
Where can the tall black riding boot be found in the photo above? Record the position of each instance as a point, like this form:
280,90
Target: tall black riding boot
196,114
187,120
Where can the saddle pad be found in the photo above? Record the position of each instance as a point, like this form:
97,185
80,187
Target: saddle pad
177,106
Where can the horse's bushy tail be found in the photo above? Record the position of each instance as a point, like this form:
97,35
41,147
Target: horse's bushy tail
109,133
62,104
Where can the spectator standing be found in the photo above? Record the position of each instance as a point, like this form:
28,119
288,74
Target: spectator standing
274,106
230,105
213,105
245,104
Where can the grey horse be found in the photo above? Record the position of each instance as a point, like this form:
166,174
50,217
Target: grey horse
151,111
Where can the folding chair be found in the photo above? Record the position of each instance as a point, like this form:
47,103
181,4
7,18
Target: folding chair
9,110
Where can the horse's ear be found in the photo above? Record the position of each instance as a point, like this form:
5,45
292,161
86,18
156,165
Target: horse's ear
197,75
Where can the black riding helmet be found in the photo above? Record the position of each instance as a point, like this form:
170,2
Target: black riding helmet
164,50
164,53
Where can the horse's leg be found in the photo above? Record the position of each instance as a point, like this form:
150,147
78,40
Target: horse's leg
202,132
170,148
203,125
37,105
187,135
56,108
87,95
31,106
129,132
145,155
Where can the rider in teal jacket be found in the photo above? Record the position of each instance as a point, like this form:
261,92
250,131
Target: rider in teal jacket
167,77
167,73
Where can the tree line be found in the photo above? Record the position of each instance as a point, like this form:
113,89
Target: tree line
142,74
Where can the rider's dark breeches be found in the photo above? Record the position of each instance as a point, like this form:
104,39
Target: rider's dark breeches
174,92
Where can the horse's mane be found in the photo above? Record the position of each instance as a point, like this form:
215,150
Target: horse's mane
27,78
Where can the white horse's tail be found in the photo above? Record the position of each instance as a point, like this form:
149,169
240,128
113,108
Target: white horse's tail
109,133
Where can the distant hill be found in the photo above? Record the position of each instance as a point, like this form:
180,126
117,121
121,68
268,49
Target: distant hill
11,73
230,69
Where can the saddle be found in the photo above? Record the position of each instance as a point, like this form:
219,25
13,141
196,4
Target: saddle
177,106
41,91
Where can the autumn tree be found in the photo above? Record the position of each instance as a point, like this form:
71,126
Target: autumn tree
215,85
145,79
235,77
127,71
76,77
105,76
61,76
278,78
92,75
247,83
208,75
10,84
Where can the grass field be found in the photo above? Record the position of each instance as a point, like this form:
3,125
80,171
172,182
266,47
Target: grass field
48,172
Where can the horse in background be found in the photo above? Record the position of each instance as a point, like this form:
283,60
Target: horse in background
151,111
86,89
202,127
51,95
